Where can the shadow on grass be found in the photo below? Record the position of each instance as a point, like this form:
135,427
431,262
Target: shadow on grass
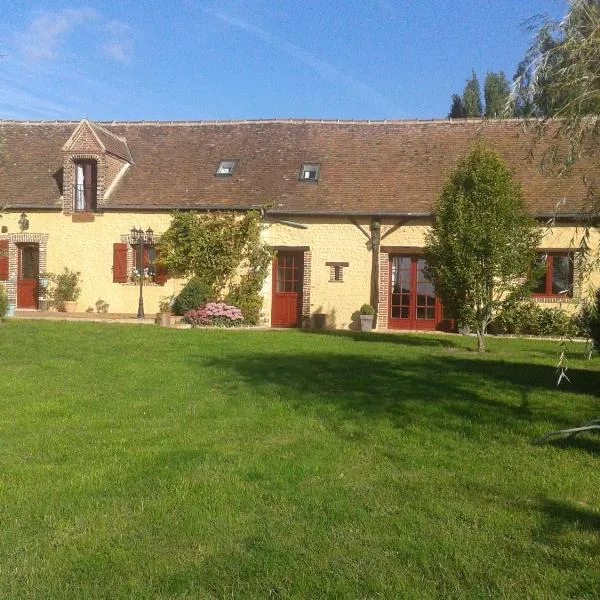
390,338
584,441
447,392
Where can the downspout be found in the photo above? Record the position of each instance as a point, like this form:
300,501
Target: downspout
375,243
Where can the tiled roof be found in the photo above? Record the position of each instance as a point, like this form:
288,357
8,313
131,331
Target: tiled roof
112,143
366,167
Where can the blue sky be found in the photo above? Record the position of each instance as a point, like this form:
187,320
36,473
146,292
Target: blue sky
234,59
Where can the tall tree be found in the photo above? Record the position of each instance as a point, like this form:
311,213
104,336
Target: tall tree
560,76
472,97
482,242
496,91
457,109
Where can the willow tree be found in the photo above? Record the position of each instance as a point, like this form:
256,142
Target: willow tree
560,78
482,243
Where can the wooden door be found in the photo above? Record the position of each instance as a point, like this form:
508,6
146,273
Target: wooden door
28,274
412,303
288,269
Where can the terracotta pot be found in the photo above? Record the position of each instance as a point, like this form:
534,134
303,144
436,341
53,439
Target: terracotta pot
70,306
163,319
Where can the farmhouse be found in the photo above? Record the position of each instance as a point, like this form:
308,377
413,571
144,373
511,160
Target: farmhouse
346,206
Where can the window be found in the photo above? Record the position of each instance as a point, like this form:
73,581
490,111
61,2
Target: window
226,168
4,272
125,265
556,279
148,269
86,177
310,172
336,271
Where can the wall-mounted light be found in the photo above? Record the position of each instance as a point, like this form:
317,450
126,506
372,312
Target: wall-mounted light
375,233
23,222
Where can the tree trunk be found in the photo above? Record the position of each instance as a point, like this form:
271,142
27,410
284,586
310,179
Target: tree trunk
480,341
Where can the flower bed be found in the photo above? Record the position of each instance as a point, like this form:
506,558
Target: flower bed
214,314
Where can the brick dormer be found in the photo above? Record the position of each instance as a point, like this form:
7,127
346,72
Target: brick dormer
94,159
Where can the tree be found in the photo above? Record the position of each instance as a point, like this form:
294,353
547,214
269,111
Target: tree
482,243
496,91
560,77
457,110
472,97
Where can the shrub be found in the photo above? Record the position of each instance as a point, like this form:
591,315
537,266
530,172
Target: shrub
3,303
195,293
217,314
527,318
65,288
367,309
248,300
590,321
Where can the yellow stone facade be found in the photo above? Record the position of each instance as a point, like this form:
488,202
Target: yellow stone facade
87,247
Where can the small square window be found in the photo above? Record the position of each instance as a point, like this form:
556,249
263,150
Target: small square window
336,271
226,168
310,172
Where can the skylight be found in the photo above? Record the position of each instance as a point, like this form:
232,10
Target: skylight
226,168
310,172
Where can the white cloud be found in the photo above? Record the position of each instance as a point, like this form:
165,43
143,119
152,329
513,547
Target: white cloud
119,47
44,36
326,70
119,50
41,40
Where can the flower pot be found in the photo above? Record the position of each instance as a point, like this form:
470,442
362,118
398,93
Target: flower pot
366,322
69,306
163,319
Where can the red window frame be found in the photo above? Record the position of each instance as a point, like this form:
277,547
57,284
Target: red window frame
548,277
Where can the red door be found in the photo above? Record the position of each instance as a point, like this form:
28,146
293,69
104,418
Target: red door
287,289
28,275
413,303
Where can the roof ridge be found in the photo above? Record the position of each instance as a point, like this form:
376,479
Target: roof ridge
292,121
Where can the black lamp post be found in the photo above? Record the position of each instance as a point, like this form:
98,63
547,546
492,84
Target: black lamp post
141,238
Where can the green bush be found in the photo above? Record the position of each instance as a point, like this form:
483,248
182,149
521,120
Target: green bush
590,321
367,309
248,300
528,318
65,288
3,303
195,294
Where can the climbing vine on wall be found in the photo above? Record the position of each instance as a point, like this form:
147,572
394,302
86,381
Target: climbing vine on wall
224,250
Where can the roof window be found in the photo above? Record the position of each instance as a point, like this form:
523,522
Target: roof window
226,168
310,172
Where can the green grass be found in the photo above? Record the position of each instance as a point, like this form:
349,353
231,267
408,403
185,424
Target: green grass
140,462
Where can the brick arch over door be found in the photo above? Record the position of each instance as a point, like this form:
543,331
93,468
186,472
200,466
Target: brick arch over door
13,239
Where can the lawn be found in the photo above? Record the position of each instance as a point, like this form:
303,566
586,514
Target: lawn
140,462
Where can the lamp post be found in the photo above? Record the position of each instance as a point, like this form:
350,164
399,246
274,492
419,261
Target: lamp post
141,238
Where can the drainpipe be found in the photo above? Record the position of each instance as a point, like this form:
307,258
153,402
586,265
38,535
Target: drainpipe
375,243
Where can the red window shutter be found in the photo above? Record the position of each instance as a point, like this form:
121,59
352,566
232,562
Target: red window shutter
161,271
120,263
3,260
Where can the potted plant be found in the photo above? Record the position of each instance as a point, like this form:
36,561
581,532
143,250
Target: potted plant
163,316
66,290
367,315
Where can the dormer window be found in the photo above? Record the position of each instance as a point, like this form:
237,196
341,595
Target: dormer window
310,172
226,168
86,181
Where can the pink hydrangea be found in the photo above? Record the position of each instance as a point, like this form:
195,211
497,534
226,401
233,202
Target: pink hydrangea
217,314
